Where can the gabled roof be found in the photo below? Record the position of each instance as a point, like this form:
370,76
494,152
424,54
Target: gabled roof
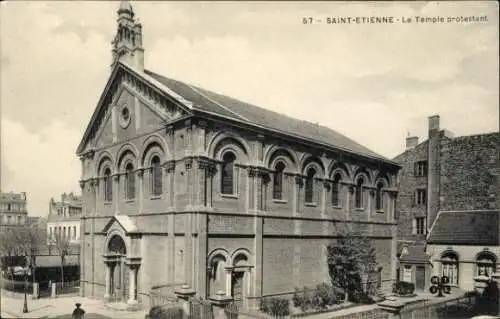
415,254
191,98
479,227
124,221
218,104
120,66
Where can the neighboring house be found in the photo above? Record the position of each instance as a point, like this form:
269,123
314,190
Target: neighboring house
64,218
181,185
464,245
13,210
442,173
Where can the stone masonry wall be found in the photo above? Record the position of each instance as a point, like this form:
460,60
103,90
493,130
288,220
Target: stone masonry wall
408,183
469,172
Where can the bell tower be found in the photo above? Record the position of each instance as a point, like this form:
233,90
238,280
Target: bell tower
127,44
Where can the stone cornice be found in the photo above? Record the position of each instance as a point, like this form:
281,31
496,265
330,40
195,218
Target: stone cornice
169,166
322,147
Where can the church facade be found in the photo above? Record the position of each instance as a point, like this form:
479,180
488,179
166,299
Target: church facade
183,186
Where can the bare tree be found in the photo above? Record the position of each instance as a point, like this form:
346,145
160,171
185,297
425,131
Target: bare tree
62,245
33,238
23,241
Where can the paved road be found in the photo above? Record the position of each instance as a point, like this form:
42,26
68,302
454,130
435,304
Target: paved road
87,316
61,307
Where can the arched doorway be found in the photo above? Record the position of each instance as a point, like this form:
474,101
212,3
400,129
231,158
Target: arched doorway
116,272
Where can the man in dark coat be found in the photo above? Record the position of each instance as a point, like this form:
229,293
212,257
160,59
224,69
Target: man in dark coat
78,313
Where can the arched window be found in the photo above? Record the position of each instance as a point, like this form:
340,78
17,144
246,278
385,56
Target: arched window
449,263
336,190
379,201
108,185
278,181
311,172
227,180
486,264
156,176
129,181
359,193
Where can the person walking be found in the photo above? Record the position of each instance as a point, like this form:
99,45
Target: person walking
78,313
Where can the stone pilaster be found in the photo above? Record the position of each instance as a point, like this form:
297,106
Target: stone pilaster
114,123
298,201
170,182
190,181
202,251
85,195
188,148
251,187
229,272
258,258
189,224
116,192
92,232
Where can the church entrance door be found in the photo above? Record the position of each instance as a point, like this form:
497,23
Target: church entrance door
117,286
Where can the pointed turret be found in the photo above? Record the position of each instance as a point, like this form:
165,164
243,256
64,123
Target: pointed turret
127,45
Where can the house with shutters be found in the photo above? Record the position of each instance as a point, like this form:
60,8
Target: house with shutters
184,186
455,178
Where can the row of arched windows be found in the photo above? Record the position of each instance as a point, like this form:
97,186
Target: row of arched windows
485,265
155,180
228,184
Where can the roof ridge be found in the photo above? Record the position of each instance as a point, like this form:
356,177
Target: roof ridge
213,101
312,131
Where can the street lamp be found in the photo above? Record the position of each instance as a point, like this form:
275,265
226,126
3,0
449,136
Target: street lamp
440,285
26,270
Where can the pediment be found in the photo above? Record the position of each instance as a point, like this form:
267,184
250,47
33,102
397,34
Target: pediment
122,223
123,84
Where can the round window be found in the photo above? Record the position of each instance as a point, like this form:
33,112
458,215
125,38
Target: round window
125,113
124,117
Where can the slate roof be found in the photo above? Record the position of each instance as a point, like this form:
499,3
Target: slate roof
210,102
416,254
466,228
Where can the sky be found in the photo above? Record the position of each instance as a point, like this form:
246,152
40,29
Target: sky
375,83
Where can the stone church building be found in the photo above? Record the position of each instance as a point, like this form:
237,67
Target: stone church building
183,186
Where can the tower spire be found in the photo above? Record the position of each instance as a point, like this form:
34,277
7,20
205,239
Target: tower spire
127,44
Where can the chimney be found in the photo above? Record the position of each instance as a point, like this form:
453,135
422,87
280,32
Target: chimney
411,142
433,124
433,170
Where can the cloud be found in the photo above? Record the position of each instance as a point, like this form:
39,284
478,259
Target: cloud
43,164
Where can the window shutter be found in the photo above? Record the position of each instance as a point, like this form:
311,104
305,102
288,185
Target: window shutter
414,226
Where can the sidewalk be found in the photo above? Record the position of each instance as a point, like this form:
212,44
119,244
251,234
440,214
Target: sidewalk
61,307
